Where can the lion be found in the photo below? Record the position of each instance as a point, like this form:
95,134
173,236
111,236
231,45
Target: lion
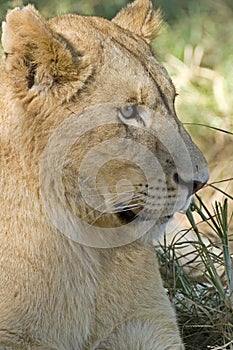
94,164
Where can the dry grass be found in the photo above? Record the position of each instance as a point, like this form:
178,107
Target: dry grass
203,297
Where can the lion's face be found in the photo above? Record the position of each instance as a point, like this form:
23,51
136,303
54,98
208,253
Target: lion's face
106,146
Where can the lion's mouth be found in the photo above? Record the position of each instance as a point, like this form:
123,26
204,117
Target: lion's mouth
165,218
128,216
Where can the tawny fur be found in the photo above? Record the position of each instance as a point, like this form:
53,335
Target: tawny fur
56,293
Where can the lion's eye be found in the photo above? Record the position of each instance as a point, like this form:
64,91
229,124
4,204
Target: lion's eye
130,115
129,111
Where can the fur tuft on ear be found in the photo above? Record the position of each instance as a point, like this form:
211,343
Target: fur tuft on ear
29,43
140,18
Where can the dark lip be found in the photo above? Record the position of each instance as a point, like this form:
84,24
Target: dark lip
167,217
128,216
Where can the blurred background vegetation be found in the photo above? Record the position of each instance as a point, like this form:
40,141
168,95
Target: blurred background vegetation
196,46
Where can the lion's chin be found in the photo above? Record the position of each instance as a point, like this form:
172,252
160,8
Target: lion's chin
157,230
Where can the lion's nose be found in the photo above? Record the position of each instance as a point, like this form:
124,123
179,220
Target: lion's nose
197,185
193,186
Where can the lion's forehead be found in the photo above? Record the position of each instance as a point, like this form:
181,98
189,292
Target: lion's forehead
114,48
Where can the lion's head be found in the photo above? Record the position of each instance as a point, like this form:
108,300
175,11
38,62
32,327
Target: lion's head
94,123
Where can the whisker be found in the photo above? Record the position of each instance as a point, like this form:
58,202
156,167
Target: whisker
130,206
116,194
123,210
111,187
114,199
126,203
112,205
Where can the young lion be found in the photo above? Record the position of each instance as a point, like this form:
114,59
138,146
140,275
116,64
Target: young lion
94,163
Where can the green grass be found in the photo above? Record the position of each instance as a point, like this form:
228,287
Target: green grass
205,304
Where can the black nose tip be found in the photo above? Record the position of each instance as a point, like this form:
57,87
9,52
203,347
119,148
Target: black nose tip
197,185
193,186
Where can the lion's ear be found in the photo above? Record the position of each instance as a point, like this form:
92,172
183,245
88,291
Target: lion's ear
31,47
140,18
